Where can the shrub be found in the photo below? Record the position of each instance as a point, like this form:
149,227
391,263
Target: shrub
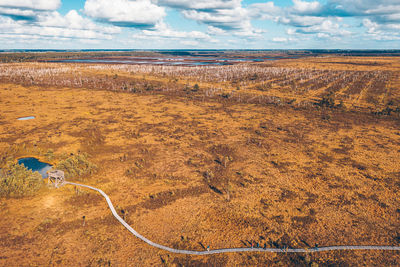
208,175
49,155
225,95
18,181
327,100
76,165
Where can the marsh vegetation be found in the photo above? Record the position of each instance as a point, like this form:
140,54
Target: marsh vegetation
285,154
17,181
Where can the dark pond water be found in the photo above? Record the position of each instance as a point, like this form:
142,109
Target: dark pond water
26,118
35,165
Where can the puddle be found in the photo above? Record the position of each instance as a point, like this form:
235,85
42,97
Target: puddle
26,118
35,165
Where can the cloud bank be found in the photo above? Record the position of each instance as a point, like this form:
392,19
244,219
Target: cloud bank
230,22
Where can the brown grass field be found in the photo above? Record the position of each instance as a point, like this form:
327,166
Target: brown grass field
291,153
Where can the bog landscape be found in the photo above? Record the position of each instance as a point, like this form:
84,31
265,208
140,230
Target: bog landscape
200,150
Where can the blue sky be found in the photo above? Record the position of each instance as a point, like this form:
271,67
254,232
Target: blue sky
199,24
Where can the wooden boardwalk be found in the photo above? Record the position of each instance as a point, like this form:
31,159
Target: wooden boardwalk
227,250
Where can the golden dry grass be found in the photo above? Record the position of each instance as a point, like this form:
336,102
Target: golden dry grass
193,172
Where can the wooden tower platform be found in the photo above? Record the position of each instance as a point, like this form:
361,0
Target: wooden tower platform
56,178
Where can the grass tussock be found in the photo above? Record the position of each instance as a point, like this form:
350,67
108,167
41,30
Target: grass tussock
76,165
18,181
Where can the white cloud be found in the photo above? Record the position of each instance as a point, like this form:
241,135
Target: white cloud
125,13
279,39
163,34
247,31
304,17
382,12
72,20
361,7
215,31
221,16
322,35
328,26
264,11
291,31
36,20
201,4
190,43
31,4
324,30
382,32
299,17
299,21
52,25
381,18
304,7
162,30
234,21
18,13
26,10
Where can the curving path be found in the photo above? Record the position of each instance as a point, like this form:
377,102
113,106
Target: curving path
225,250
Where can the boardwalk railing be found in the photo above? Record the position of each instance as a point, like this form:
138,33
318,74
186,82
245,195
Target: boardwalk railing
226,250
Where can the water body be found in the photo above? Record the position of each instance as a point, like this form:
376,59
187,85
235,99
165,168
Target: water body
175,61
35,165
26,118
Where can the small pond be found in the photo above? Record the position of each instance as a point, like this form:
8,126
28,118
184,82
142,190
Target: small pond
35,165
26,118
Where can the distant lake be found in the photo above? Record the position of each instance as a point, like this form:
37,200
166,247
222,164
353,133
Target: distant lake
172,61
35,165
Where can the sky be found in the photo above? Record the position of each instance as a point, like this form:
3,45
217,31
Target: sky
199,24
